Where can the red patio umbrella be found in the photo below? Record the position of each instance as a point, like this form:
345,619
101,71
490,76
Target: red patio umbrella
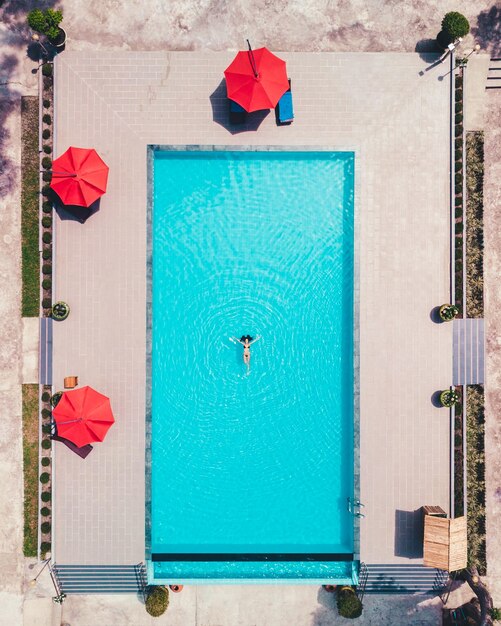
256,79
79,176
83,416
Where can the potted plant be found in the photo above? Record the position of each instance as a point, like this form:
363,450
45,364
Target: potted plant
454,26
348,603
60,311
449,397
157,600
448,312
47,22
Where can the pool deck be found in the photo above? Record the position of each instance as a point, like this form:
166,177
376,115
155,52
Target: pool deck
396,120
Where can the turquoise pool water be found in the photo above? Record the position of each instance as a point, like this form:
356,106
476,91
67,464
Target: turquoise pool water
255,462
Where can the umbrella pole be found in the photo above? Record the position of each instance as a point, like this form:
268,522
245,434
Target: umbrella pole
252,60
79,419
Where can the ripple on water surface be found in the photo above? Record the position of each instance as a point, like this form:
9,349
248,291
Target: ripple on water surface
259,244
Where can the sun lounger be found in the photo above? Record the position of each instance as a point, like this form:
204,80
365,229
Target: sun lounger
284,110
237,113
82,452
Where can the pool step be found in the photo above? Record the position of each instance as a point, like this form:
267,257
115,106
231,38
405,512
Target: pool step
84,579
383,578
494,75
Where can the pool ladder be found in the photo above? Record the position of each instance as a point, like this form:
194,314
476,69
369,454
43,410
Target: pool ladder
355,504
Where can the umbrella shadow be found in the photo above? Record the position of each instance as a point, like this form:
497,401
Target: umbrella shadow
221,113
70,212
83,452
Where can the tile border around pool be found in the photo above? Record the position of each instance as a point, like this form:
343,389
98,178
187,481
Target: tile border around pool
357,151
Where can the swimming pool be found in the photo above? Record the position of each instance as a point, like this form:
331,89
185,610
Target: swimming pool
252,466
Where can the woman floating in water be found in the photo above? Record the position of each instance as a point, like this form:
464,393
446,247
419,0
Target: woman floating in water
246,341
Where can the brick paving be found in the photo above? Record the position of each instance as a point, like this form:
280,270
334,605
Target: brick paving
397,122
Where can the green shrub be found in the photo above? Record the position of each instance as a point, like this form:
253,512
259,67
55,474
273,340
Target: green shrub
55,398
495,614
45,460
45,22
459,118
458,142
45,547
458,227
459,201
46,413
458,166
348,604
46,254
47,268
47,149
45,526
46,189
455,25
458,212
458,178
46,283
44,478
47,69
459,107
46,496
46,133
45,397
46,104
46,444
458,155
46,430
45,511
157,601
47,82
47,237
47,119
46,221
47,303
47,207
46,163
47,177
458,131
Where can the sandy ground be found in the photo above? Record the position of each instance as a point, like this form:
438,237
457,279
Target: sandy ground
314,25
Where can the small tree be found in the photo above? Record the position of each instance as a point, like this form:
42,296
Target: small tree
157,601
45,22
348,603
455,25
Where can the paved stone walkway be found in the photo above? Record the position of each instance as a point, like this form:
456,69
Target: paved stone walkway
492,271
394,118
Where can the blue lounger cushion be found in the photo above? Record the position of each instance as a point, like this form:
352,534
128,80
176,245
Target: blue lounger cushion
237,113
285,108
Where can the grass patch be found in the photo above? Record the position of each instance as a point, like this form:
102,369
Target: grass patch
476,478
475,224
29,207
30,466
